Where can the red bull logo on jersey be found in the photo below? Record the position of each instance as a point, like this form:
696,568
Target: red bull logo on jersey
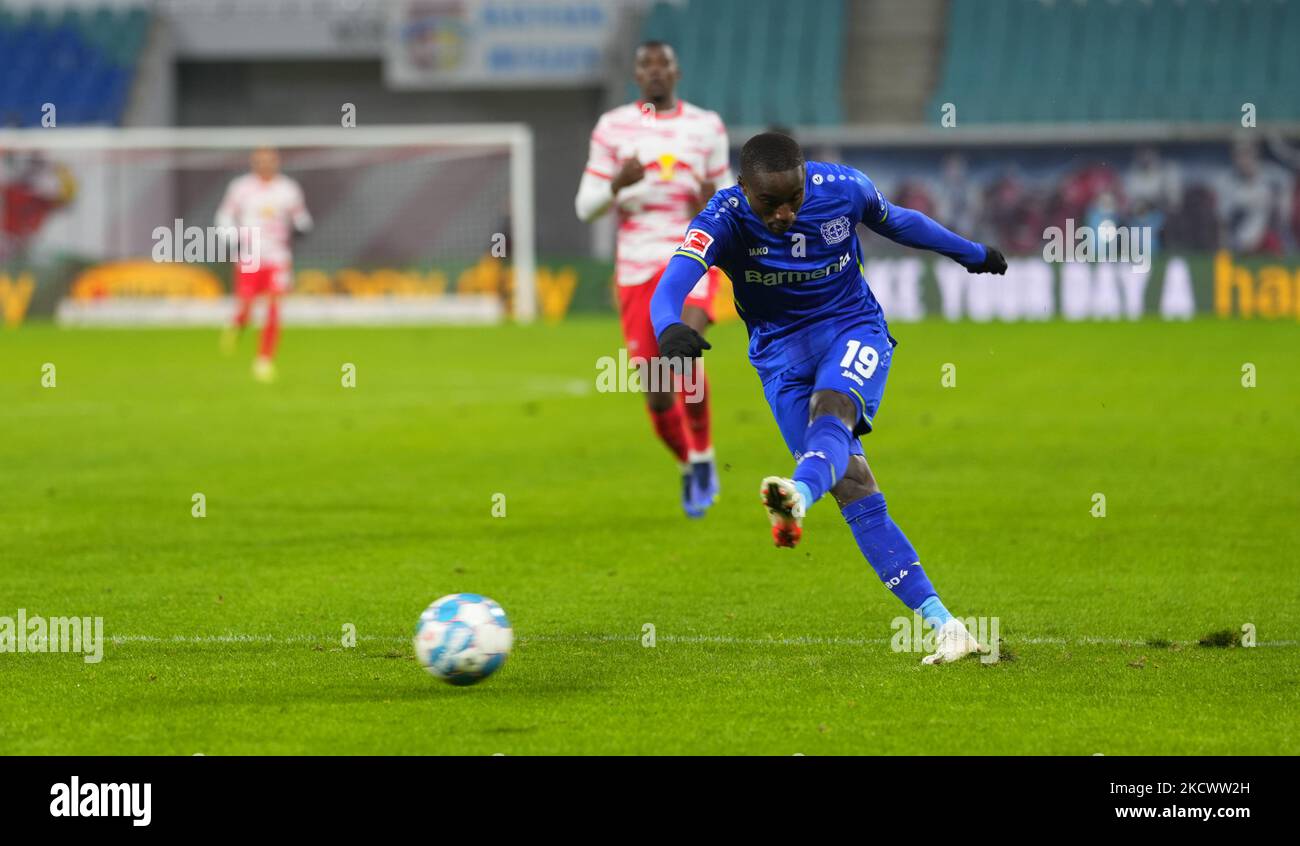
666,164
787,277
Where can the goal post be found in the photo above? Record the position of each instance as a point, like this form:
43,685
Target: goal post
436,202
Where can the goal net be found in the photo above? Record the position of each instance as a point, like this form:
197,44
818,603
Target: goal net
410,224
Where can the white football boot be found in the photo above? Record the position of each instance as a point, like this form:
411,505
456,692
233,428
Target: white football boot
952,643
263,369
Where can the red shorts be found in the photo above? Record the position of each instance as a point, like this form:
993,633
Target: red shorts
634,308
267,279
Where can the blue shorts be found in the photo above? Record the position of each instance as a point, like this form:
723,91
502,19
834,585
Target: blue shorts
855,364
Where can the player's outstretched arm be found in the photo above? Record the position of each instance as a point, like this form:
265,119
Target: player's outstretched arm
913,229
594,197
676,339
301,218
226,211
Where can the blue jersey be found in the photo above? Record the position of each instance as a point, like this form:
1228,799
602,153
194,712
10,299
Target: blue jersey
798,290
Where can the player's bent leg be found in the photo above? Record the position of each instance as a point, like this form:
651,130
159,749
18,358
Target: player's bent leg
895,561
833,403
666,413
669,420
826,446
230,335
669,423
264,364
828,442
230,339
788,392
245,293
695,401
659,401
858,482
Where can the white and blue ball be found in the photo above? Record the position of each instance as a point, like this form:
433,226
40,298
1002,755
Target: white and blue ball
463,638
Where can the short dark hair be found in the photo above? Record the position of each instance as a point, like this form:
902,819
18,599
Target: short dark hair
654,44
770,152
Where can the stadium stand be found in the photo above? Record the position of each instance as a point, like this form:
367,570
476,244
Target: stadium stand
1064,60
82,60
799,81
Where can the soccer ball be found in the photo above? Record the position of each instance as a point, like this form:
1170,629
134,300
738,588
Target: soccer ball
463,638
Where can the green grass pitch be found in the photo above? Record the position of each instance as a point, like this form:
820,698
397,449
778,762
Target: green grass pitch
329,506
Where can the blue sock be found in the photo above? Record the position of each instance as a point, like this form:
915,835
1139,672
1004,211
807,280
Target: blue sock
825,456
888,552
933,612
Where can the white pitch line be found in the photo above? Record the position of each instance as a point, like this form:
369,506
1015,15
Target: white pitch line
855,641
225,638
636,638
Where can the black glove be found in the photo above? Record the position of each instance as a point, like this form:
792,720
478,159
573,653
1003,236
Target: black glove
683,342
993,262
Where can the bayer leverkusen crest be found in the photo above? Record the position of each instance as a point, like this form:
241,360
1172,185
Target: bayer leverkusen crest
836,230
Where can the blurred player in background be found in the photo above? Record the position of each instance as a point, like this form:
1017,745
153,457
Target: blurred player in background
271,203
656,162
31,188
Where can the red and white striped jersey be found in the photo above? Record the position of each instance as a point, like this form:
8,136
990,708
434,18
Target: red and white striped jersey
274,207
680,149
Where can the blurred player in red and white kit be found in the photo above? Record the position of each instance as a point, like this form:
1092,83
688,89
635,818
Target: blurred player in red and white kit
656,162
268,209
31,188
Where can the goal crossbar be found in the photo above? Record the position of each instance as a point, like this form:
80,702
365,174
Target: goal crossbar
517,138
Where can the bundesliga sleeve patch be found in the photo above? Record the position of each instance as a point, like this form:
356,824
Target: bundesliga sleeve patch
697,241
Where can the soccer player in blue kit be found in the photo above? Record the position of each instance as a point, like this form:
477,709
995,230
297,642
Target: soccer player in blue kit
786,235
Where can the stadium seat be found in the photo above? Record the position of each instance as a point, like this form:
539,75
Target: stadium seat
827,57
765,93
749,94
82,60
1014,60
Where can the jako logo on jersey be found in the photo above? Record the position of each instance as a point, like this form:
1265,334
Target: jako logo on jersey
783,277
836,230
758,251
697,242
